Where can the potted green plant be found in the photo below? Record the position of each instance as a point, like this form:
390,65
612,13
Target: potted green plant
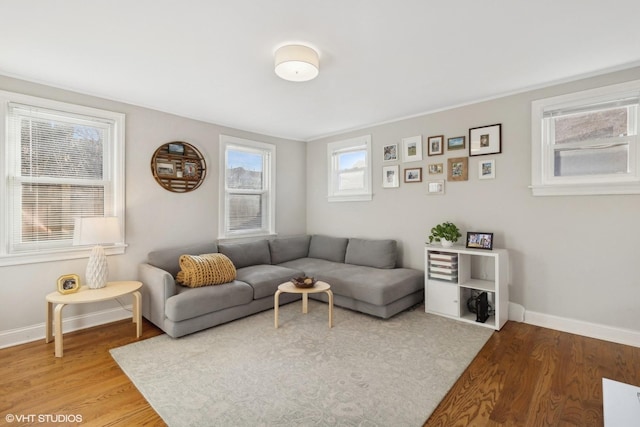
446,233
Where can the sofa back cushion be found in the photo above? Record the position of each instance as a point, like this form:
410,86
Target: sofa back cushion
246,254
289,248
372,253
168,259
327,247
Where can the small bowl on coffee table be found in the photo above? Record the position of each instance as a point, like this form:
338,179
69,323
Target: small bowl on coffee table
303,282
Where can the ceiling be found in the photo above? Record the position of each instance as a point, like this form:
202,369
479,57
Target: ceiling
380,60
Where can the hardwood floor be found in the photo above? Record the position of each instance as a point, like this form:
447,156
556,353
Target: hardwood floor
531,376
524,376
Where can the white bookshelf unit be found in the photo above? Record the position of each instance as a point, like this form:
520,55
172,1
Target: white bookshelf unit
453,275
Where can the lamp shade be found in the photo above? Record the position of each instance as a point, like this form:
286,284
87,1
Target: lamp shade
297,63
96,231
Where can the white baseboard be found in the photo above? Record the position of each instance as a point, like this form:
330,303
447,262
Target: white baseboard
587,329
36,332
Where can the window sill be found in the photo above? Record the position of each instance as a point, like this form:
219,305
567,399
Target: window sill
59,255
351,198
585,189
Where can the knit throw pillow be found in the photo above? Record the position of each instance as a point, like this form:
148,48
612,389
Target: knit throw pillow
205,270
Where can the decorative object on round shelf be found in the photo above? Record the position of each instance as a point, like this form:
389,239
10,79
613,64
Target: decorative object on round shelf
303,282
178,167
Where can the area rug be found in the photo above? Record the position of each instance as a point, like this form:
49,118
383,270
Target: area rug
364,371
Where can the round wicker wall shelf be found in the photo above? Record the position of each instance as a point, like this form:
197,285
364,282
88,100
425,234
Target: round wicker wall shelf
178,167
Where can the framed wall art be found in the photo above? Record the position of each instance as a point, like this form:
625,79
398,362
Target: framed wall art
485,140
457,143
435,145
390,176
486,169
413,175
68,284
390,153
458,169
412,149
436,168
478,240
435,187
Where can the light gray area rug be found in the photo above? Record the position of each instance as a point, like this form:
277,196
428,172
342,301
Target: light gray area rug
364,371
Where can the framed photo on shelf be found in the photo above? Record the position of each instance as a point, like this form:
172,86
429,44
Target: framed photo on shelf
485,140
458,169
435,145
176,148
68,284
412,149
457,143
166,169
478,240
486,169
390,176
189,169
390,153
413,175
435,187
436,168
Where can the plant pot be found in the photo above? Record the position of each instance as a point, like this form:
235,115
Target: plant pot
446,243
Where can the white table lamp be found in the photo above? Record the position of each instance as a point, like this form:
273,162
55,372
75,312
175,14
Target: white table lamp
97,231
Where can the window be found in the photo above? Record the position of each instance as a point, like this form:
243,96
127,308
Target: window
63,162
350,169
247,193
587,142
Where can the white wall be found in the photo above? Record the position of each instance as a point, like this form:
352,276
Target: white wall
155,217
571,257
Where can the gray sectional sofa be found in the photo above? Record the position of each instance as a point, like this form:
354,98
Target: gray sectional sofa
362,273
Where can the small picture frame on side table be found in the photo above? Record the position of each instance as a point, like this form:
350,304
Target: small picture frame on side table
68,284
479,240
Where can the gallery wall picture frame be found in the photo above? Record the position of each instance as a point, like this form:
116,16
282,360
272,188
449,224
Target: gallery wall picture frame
68,284
435,145
479,240
487,169
435,187
485,140
390,153
390,177
458,169
436,168
412,149
413,175
456,143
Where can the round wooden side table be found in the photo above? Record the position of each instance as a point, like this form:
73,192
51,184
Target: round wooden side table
293,289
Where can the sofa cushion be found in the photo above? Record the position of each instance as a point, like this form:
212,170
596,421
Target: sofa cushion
194,302
377,286
168,259
327,247
372,253
264,279
288,248
245,254
205,270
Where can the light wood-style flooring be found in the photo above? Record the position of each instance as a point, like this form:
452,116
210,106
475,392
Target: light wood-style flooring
524,376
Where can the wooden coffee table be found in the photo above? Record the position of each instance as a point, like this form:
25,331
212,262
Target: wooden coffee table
291,288
85,295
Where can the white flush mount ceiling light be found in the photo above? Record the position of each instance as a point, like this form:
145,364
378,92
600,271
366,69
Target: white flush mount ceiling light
297,63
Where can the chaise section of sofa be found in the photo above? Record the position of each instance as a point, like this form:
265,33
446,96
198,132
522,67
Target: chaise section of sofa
363,275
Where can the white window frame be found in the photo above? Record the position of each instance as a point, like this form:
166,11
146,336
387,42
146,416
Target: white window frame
543,181
334,149
113,175
268,192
